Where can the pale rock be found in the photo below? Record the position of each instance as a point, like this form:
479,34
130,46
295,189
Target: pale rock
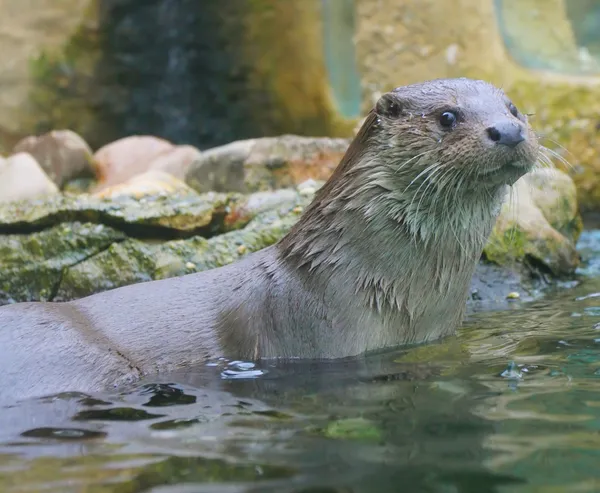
21,178
62,154
150,183
125,158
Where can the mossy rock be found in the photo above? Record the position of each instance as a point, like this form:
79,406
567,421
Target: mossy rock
32,266
161,215
539,224
134,261
267,163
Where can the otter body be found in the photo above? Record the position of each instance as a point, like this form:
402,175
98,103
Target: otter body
382,257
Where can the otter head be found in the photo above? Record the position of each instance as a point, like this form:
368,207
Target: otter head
461,128
432,161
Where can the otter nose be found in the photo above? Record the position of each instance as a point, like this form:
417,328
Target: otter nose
506,133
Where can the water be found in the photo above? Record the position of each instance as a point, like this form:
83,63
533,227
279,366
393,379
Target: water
511,404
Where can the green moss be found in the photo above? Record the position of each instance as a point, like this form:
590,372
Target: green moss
504,247
31,266
134,261
173,214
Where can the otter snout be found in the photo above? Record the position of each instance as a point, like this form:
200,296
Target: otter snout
507,133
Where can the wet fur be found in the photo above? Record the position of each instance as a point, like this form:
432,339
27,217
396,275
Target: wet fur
382,257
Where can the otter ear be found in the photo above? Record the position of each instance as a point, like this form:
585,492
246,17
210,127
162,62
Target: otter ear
388,106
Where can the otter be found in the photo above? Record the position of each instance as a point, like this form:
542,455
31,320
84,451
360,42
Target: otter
382,257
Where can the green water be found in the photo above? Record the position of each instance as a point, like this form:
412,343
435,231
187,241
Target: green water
511,404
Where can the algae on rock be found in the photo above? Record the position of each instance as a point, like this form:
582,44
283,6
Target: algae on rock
540,222
32,265
135,261
176,214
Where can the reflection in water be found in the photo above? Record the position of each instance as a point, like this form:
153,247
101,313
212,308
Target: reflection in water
555,35
444,417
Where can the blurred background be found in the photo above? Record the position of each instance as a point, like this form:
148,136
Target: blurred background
209,72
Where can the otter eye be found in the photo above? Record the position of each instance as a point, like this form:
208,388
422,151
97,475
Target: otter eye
513,110
448,119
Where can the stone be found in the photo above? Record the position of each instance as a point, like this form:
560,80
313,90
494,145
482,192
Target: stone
125,158
21,177
160,216
150,183
134,261
26,29
555,194
176,161
536,230
267,163
32,265
62,154
129,157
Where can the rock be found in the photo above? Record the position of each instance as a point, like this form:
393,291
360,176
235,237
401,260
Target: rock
71,259
150,183
539,225
161,215
147,207
176,161
26,30
125,158
62,154
555,194
266,163
32,265
21,177
136,261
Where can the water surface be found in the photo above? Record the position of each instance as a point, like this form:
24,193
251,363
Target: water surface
511,404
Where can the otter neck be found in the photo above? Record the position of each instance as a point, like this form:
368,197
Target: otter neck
363,238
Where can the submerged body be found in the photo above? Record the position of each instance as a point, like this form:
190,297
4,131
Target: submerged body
382,257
